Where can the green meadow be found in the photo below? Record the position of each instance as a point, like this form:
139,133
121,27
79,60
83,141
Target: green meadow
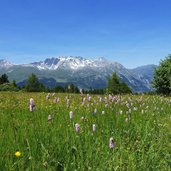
139,124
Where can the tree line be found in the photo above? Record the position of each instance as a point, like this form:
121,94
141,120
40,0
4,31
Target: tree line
33,85
114,85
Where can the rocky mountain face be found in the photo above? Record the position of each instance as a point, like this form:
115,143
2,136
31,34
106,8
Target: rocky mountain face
82,72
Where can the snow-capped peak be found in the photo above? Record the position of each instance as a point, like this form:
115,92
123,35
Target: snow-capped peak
5,64
70,62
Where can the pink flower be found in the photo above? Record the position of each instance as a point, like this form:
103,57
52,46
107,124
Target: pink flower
49,118
111,143
70,114
126,119
94,127
77,127
89,98
110,97
56,100
127,105
105,99
32,105
48,96
135,108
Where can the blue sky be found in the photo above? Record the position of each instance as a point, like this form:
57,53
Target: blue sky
131,32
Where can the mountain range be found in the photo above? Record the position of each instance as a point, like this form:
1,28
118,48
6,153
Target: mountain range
84,73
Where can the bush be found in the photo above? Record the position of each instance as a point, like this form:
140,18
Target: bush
8,87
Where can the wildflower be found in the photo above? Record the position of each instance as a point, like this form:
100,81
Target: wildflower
82,118
71,114
103,112
84,99
105,100
127,105
89,98
110,97
48,96
17,153
126,119
49,118
56,100
77,127
118,101
68,102
32,105
95,111
135,108
111,143
94,127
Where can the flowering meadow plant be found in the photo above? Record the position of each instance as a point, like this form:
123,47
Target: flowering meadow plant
84,132
17,153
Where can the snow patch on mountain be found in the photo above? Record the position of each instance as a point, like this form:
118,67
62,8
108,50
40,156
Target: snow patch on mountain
74,63
5,64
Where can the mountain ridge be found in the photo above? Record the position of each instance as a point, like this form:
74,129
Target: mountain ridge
84,73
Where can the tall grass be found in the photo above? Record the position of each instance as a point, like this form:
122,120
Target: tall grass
139,125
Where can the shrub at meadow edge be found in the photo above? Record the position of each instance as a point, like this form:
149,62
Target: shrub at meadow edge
84,132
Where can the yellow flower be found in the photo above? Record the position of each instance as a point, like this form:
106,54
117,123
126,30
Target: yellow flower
17,154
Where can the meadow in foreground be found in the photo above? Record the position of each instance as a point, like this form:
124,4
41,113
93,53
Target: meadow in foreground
74,132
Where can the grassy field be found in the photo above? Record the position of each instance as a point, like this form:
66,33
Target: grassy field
139,125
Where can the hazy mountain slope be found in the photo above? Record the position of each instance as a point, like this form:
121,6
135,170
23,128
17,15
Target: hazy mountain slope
82,72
